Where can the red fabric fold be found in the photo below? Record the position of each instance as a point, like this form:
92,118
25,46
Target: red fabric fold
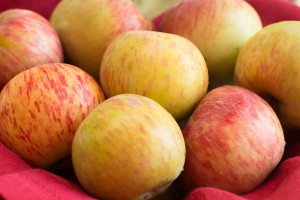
19,181
271,11
39,184
10,162
282,184
44,8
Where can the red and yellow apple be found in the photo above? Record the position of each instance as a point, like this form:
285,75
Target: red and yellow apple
219,28
41,108
26,40
269,65
164,67
86,28
128,147
234,140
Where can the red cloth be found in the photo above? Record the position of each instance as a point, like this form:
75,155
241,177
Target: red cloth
43,7
282,184
19,181
272,11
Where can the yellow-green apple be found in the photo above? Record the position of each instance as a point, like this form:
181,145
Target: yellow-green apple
26,40
128,147
164,67
86,28
234,140
269,65
219,28
41,108
153,8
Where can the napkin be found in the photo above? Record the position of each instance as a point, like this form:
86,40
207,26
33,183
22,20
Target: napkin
18,180
282,184
44,7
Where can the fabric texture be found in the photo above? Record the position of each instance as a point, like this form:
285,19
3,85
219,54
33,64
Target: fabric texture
20,181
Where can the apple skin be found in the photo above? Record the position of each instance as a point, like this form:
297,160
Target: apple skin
153,8
219,28
85,29
26,39
269,65
233,141
164,67
128,147
41,108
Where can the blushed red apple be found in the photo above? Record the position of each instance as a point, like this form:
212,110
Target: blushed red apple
86,28
128,147
26,39
41,108
233,140
164,67
219,28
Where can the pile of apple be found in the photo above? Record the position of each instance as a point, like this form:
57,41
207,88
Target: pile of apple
201,97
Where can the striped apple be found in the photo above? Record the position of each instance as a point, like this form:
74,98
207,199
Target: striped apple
234,140
41,108
26,39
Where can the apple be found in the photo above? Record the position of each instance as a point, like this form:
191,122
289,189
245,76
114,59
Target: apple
219,28
128,147
269,65
152,9
86,28
41,108
164,67
26,39
234,140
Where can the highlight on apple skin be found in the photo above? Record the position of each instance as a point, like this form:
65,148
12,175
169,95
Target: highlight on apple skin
86,28
234,140
26,39
268,65
128,147
152,9
41,108
164,67
219,28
